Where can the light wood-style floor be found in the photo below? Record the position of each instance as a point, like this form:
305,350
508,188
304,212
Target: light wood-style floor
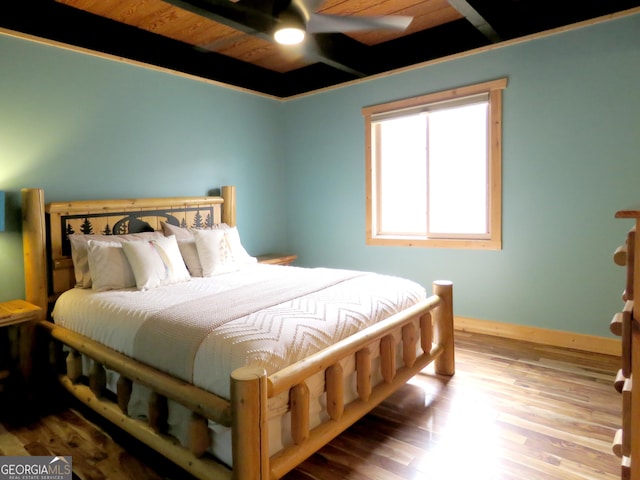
513,410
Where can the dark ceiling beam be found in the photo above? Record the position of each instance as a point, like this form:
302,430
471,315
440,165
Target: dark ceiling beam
235,15
477,20
437,42
343,53
334,49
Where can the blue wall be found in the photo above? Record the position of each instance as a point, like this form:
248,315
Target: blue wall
570,159
83,127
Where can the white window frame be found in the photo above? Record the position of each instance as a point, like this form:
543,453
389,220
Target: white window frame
491,240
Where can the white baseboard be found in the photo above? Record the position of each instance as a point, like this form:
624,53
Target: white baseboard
557,338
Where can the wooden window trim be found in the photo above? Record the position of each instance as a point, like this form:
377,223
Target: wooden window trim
494,89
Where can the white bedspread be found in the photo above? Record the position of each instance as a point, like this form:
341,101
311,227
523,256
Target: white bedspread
271,337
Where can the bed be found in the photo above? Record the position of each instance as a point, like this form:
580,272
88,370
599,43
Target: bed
254,387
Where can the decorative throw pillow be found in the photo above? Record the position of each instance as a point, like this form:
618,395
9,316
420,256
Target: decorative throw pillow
79,251
157,262
240,255
214,252
169,251
148,269
109,267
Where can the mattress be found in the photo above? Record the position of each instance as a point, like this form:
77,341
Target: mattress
264,315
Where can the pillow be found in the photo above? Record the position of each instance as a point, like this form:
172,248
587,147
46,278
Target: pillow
238,251
169,251
189,253
157,262
181,233
187,245
186,234
109,267
214,252
79,251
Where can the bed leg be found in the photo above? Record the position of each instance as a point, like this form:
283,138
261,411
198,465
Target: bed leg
443,323
249,424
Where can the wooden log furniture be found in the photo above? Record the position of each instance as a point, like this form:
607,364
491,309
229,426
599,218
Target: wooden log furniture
626,443
23,315
427,324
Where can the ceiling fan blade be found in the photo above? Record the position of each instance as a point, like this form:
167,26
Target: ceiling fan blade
320,23
307,7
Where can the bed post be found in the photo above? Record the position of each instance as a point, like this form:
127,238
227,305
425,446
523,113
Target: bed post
249,436
443,323
33,244
228,192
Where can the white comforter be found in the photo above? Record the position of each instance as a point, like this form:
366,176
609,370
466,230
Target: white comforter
272,337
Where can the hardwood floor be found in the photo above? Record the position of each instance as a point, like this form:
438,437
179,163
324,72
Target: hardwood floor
514,410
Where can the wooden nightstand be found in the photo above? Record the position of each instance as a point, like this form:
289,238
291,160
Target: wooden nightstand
23,315
277,259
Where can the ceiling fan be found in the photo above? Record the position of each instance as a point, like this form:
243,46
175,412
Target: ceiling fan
294,18
287,21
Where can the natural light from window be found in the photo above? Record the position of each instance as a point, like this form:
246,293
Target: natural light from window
434,169
403,175
457,158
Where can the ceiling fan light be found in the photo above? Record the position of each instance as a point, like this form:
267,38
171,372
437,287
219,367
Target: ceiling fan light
289,35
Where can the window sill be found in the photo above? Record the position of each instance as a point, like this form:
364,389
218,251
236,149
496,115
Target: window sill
463,244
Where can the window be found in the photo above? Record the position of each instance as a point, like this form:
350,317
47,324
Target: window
433,169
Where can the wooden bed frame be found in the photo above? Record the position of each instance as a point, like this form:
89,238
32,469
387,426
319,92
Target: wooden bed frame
49,272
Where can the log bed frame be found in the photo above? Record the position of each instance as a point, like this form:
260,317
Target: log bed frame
49,272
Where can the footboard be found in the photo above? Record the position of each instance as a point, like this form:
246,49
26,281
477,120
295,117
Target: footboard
429,322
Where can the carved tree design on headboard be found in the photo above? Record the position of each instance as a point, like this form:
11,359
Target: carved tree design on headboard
120,223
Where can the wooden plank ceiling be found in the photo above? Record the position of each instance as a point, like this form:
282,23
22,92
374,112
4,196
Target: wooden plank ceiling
159,17
209,38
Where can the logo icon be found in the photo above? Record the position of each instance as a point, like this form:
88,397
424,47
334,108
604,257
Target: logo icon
36,468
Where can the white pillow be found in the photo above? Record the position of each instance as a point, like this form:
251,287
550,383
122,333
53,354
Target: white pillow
169,251
79,251
239,253
214,252
157,262
109,266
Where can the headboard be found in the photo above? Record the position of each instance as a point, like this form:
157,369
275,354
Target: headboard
47,253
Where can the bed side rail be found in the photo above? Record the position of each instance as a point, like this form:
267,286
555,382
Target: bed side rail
202,404
197,400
